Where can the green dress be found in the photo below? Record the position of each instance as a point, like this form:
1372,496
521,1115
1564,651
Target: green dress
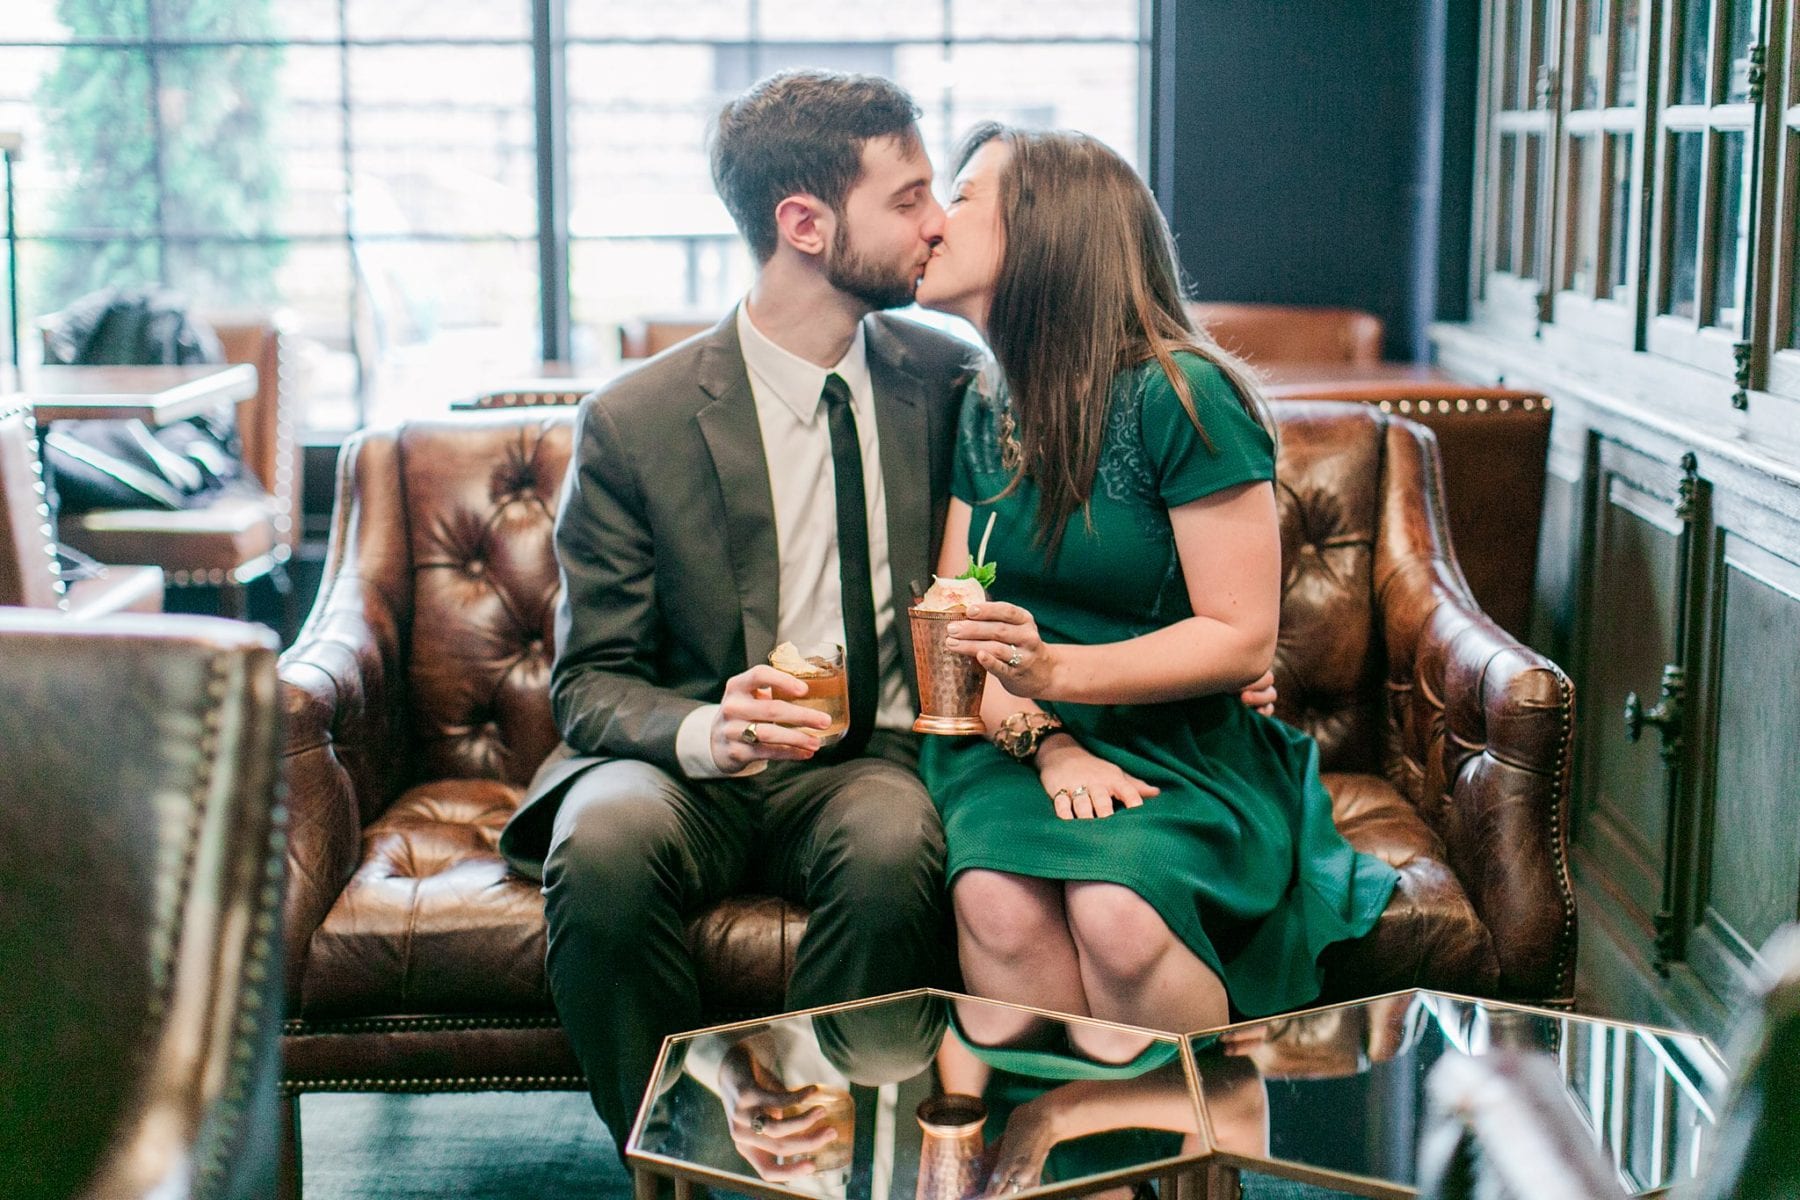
1238,853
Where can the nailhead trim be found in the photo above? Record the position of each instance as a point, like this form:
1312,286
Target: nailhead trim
304,1027
440,1083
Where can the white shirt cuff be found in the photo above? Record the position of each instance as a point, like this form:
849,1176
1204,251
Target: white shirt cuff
693,748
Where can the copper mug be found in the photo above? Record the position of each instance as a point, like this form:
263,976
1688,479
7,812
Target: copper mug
950,1156
950,684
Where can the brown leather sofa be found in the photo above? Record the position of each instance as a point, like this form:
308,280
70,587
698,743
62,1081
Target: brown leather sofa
416,711
29,574
140,878
1266,334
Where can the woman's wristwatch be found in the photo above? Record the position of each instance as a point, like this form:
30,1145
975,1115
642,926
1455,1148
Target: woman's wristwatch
1020,733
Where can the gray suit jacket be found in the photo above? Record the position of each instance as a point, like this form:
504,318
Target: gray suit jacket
665,540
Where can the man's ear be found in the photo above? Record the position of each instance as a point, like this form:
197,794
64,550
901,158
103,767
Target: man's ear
806,223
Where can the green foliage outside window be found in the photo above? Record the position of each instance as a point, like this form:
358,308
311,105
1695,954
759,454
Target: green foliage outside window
215,171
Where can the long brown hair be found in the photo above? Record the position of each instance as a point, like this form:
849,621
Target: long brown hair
1087,287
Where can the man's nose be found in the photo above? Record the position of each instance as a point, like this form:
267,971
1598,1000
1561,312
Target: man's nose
932,228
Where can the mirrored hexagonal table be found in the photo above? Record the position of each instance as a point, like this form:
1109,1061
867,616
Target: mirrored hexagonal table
919,1096
1336,1096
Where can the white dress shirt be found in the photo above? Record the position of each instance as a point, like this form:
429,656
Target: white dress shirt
796,436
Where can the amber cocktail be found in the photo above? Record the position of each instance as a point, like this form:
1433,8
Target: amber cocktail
820,666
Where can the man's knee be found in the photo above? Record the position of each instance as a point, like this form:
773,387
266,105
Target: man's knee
882,829
617,838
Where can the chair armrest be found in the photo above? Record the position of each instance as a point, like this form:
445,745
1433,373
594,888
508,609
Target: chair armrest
346,749
1480,730
1501,1125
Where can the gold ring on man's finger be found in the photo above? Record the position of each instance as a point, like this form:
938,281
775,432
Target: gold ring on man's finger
749,734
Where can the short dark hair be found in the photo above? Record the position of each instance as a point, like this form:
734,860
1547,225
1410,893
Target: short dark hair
801,131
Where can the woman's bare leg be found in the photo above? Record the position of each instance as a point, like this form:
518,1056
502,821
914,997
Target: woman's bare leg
1134,969
1012,937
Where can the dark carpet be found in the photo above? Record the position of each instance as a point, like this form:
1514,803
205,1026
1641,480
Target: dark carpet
497,1146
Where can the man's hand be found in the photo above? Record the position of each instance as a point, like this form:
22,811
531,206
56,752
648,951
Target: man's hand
1261,694
776,728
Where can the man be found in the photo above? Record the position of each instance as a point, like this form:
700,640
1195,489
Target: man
781,478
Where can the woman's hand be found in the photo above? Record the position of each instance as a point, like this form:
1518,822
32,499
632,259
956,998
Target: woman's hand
1083,785
1004,639
1024,1146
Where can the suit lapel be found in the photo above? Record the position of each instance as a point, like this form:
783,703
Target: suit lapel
734,439
900,418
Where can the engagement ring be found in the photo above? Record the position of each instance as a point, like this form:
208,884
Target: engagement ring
1015,660
1080,791
749,735
756,1123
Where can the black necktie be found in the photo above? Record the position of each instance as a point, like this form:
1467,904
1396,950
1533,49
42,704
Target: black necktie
862,655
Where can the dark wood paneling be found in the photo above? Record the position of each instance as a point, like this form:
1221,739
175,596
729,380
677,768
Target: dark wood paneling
1750,881
1634,595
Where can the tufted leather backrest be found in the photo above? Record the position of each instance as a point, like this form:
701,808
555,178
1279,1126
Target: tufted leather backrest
452,519
481,502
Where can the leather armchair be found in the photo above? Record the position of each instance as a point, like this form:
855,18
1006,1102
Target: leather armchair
140,874
417,710
1502,1128
1267,334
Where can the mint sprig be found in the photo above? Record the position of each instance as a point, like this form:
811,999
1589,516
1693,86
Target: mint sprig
982,573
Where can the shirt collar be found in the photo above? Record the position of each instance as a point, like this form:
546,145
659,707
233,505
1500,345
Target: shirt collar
792,380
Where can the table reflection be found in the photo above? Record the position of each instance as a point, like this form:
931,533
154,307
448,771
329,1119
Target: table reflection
1345,1086
930,1097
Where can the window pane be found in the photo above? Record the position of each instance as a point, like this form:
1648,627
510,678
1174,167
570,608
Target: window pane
444,140
1684,212
1690,87
1511,49
1042,18
1625,71
848,20
52,272
243,154
1593,53
1731,234
408,19
616,280
1585,200
1740,32
693,19
637,122
1505,205
179,20
436,316
55,20
1062,87
1618,216
1531,228
91,168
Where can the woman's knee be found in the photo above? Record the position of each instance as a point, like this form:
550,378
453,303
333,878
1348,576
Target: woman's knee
1006,916
1117,931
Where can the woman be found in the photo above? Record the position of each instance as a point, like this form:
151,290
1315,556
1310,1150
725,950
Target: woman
1135,844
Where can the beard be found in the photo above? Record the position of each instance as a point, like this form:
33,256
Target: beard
879,285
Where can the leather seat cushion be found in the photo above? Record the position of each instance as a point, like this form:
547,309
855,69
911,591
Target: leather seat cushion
432,922
224,535
1429,936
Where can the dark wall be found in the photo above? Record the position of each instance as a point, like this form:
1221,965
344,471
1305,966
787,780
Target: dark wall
1314,155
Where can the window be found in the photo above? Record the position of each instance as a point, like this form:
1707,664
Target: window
1520,86
1603,132
1783,329
1706,169
385,172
